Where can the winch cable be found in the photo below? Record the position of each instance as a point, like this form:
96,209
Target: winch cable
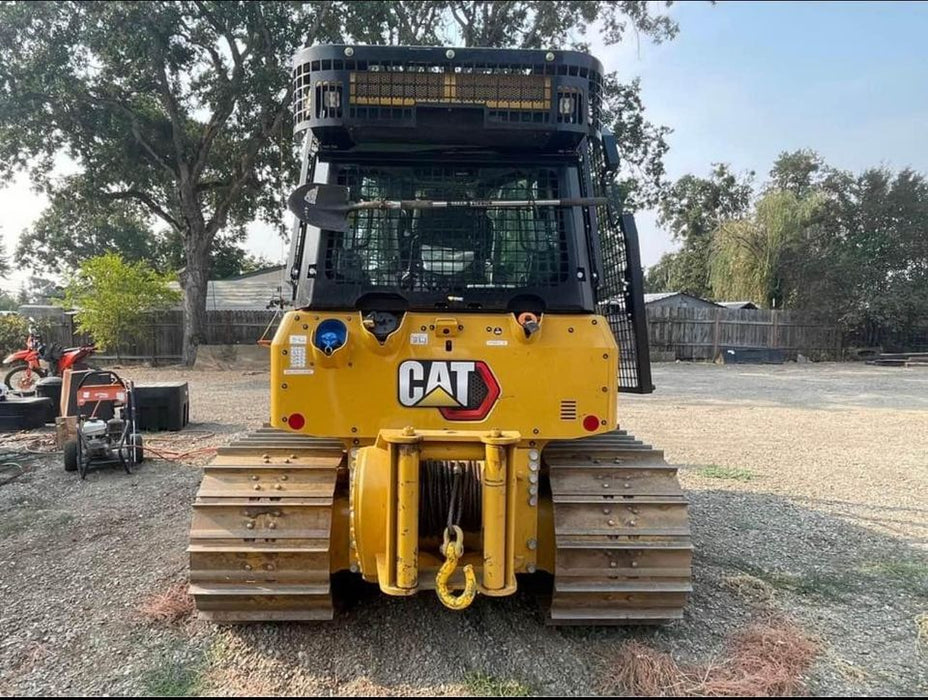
438,478
455,504
453,549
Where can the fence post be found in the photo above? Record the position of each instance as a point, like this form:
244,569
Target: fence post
774,339
715,334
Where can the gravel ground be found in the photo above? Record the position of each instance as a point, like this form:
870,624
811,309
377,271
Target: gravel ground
809,493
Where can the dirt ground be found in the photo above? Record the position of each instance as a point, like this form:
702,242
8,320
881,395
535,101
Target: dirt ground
809,495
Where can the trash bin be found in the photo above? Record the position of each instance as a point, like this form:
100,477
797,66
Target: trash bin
50,388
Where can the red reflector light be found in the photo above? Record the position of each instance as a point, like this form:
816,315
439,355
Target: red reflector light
590,423
296,421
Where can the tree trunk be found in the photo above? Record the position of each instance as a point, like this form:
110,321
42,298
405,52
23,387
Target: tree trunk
194,281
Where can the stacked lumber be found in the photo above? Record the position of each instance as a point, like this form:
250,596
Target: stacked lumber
901,359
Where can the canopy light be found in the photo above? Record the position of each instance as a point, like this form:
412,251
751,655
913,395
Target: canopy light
410,88
333,99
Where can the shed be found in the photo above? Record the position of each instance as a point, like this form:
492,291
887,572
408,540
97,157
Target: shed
677,300
251,291
46,312
739,305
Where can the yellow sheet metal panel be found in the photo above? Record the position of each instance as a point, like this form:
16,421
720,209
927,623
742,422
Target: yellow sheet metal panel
407,517
557,384
369,505
524,508
385,500
494,484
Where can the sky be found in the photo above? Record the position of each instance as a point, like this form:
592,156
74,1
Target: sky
742,82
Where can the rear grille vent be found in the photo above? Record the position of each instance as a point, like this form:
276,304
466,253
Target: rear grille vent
568,410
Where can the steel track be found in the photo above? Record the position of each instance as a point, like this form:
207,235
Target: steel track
260,537
622,535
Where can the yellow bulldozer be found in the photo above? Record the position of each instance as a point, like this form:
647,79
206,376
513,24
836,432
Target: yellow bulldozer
467,305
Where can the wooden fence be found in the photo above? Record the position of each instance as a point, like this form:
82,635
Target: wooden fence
684,333
161,339
699,333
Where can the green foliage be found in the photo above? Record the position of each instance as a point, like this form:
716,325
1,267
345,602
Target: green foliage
864,259
78,225
755,257
485,685
800,172
226,257
692,209
878,237
661,276
642,145
179,111
714,471
112,296
850,247
173,680
8,302
39,290
14,330
910,574
536,24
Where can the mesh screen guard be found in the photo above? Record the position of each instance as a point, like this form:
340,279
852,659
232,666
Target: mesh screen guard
620,294
453,250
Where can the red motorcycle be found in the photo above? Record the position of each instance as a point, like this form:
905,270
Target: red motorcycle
39,360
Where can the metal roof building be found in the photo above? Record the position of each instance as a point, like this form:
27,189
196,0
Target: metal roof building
251,291
738,305
677,300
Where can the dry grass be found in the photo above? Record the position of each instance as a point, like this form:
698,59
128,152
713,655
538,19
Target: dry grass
239,683
767,659
749,588
850,670
921,626
645,671
173,605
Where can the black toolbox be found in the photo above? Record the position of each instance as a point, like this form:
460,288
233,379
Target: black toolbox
162,405
25,413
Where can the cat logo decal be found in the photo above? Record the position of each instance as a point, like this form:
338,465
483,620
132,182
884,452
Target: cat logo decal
460,390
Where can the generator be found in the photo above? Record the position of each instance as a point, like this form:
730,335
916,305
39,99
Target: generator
98,441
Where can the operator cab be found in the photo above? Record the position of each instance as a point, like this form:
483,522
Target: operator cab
460,258
461,126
